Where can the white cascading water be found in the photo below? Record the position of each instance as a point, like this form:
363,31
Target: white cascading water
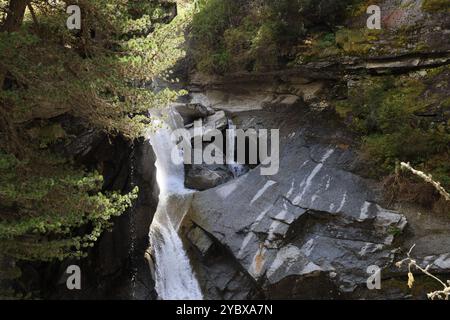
174,277
235,168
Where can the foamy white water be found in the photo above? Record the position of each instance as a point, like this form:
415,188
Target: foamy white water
174,277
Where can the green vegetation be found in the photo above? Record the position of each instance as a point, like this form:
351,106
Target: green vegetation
436,5
387,113
51,207
232,36
52,70
356,42
394,231
235,36
44,207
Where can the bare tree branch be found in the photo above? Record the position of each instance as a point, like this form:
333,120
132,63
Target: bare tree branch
428,178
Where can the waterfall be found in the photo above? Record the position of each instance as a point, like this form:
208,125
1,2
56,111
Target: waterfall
236,169
174,277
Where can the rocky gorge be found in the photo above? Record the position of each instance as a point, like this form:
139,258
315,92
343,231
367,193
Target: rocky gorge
320,226
309,232
314,230
315,224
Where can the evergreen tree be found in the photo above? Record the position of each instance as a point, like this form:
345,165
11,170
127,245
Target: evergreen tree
51,208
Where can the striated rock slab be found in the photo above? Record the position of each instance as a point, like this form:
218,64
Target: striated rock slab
200,240
237,99
311,219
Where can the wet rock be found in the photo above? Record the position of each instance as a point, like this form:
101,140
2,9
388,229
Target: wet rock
203,177
200,240
193,111
217,121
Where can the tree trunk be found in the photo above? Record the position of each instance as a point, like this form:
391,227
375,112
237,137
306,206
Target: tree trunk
13,21
14,18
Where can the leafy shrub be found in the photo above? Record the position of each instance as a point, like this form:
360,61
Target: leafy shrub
49,207
384,112
256,34
45,205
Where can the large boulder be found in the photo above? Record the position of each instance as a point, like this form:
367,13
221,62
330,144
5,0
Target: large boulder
313,220
203,177
217,121
193,111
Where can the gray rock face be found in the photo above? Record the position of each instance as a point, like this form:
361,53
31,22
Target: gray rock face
221,277
312,219
256,97
192,111
313,229
200,240
203,177
217,121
